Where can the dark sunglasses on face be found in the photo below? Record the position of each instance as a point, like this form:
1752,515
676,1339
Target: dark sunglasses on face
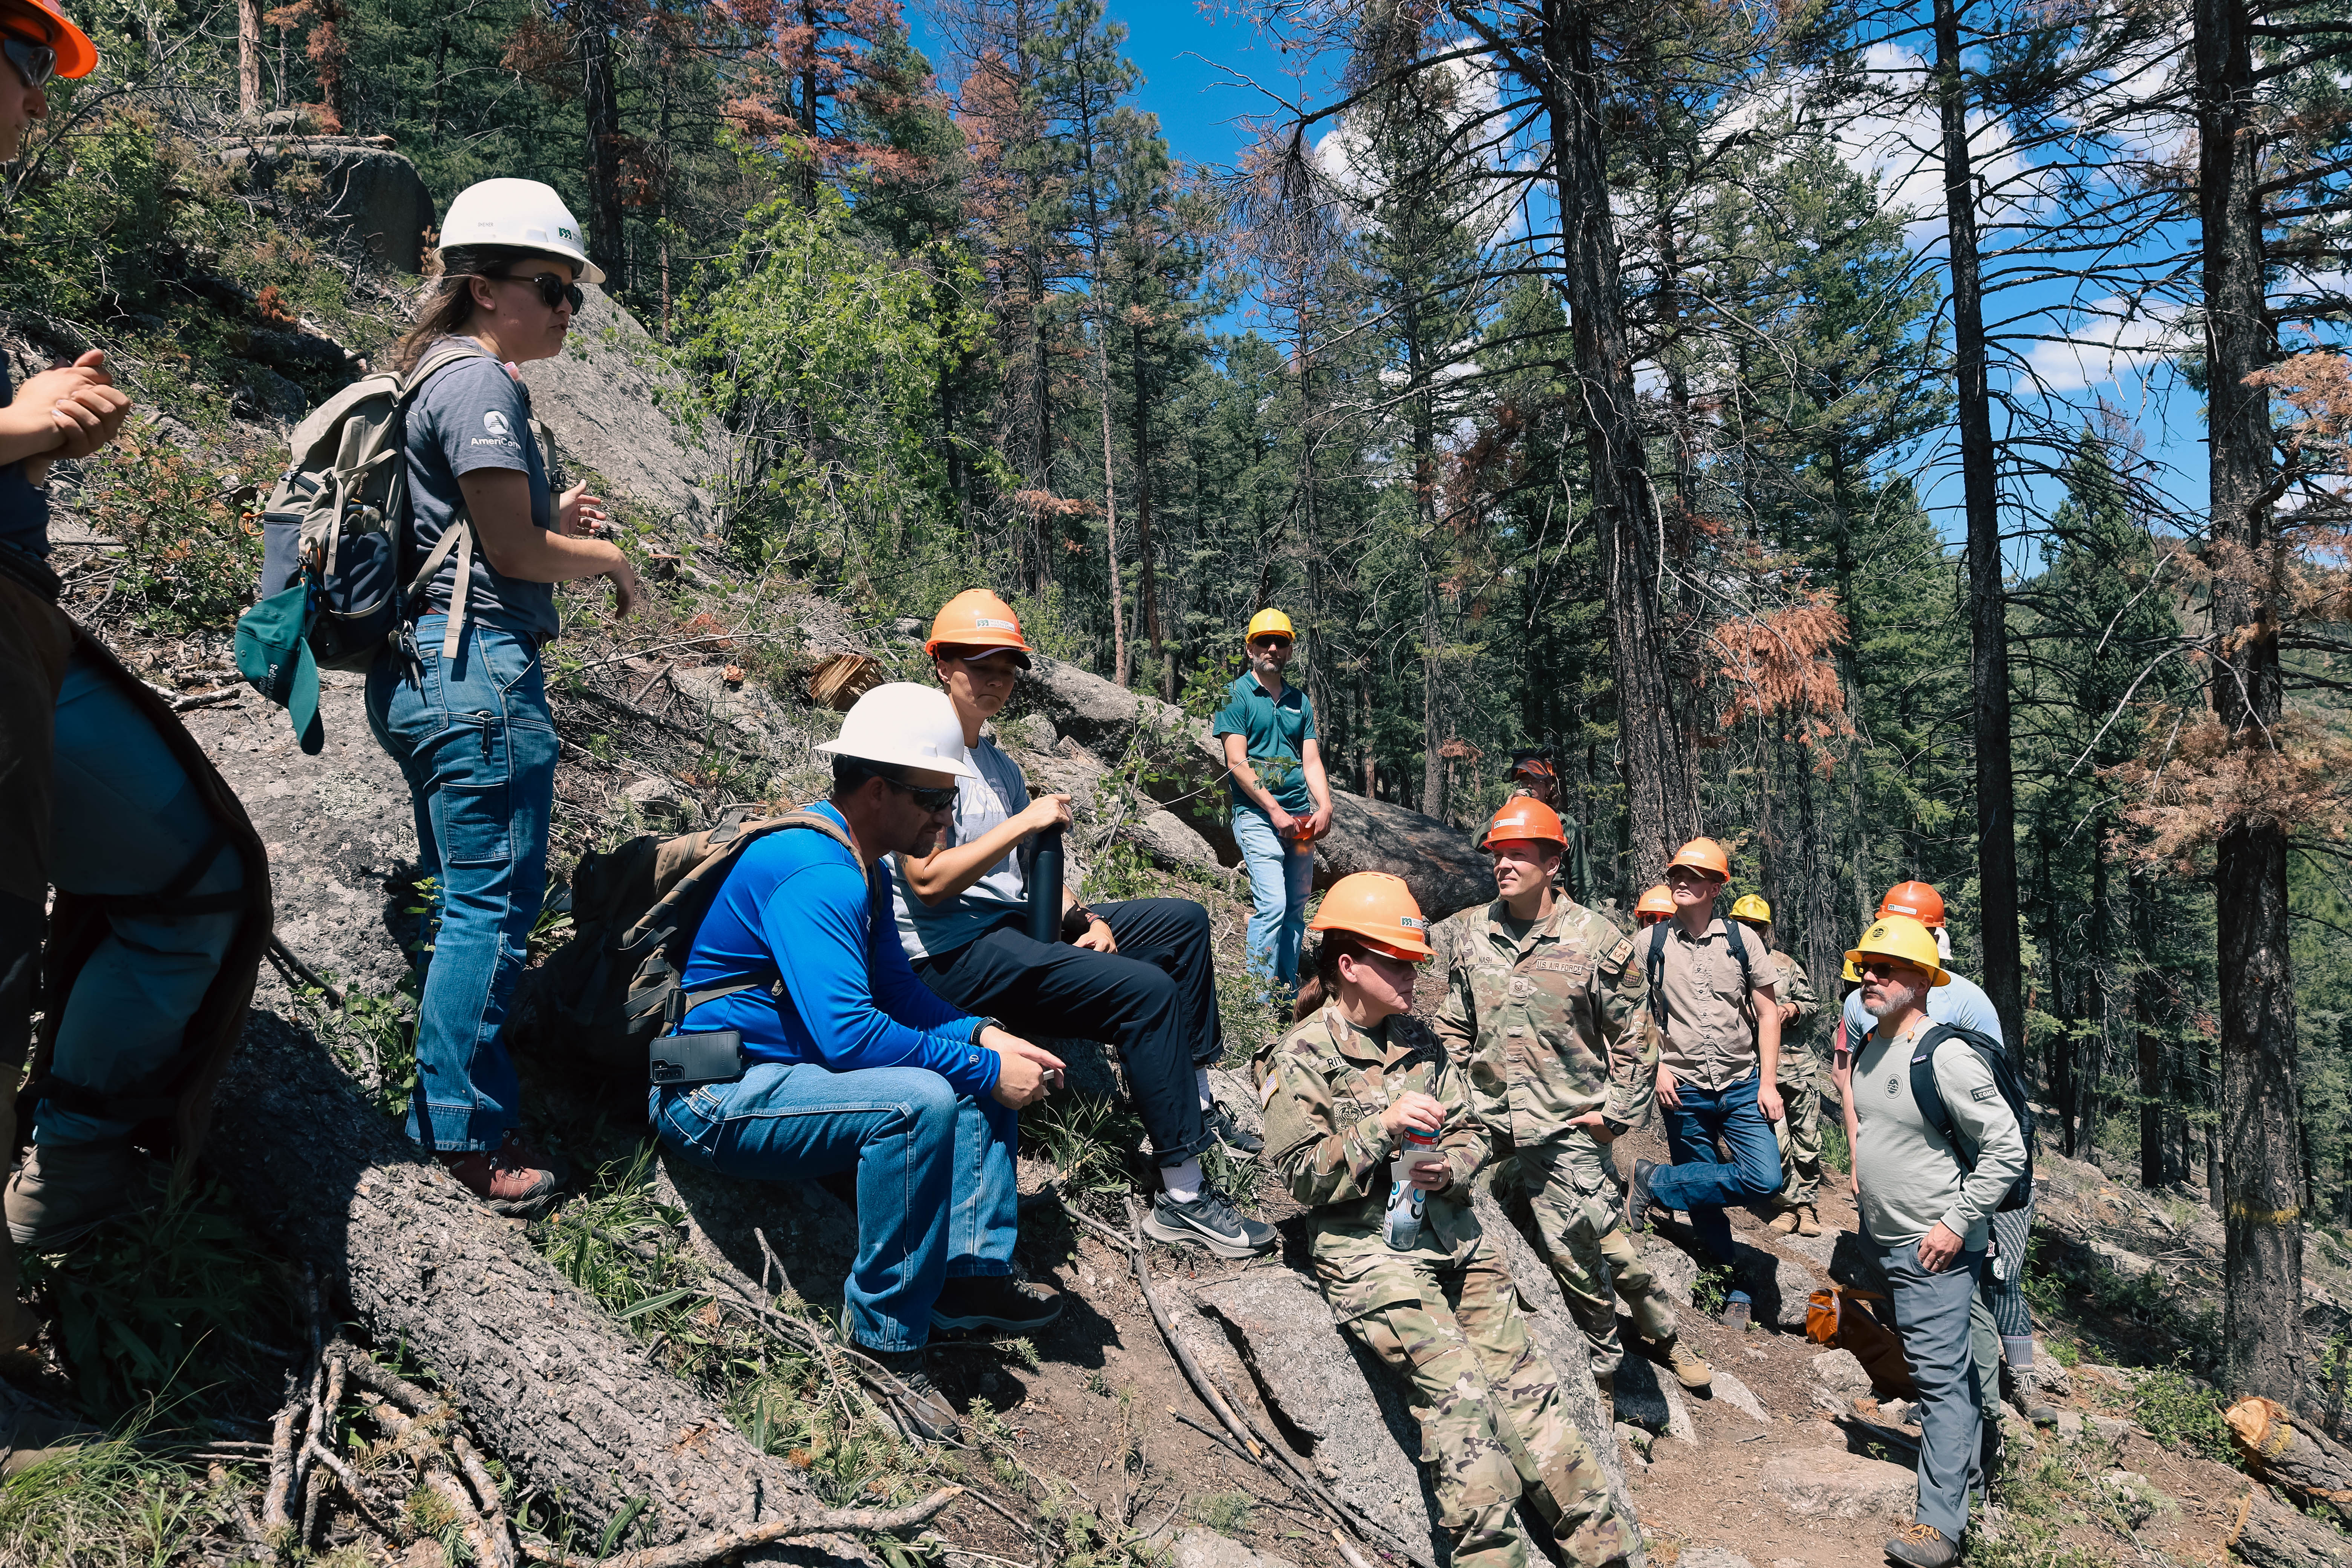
35,63
552,290
933,800
1270,645
1872,970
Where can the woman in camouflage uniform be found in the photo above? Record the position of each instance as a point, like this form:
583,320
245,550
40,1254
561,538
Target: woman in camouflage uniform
1340,1090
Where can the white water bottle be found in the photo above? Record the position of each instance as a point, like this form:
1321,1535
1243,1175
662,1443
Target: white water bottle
1402,1228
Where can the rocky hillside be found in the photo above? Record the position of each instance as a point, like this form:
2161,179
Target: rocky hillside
653,1364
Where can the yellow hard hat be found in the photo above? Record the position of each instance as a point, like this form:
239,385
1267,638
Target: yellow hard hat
1751,908
1902,938
1850,975
1269,622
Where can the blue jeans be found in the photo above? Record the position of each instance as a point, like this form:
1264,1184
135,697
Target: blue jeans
1699,1180
936,1195
477,743
1280,878
126,819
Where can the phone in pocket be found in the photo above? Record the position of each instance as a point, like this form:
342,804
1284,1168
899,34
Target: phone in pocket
713,1057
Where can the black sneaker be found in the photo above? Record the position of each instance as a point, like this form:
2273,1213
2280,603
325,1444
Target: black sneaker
1230,1132
1638,1201
922,1408
1209,1220
996,1301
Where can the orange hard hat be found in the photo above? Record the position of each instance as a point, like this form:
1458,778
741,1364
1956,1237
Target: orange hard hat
1659,902
1704,855
1917,900
77,55
1378,907
978,618
1524,816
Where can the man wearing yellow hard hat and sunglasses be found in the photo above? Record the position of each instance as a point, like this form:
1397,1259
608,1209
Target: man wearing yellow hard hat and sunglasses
1282,802
1927,1201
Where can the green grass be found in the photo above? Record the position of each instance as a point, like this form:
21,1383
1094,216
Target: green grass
1228,1513
108,1504
1835,1152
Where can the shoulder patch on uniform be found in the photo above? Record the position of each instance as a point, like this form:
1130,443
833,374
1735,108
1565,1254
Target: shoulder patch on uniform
1983,1092
1265,1090
1620,953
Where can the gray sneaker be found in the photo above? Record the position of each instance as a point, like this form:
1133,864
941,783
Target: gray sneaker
1638,1201
1209,1220
1230,1132
64,1191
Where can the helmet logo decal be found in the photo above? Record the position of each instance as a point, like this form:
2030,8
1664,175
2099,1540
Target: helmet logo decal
983,624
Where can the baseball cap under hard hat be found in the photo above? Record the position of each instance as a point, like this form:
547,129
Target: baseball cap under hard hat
903,725
978,618
517,215
77,55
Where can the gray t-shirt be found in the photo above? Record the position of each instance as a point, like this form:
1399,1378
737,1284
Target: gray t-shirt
982,805
1911,1176
477,415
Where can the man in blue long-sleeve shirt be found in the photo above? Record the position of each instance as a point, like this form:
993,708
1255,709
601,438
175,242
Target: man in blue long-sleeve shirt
855,1062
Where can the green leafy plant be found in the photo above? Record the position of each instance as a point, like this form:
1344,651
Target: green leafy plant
1712,1287
192,553
168,1305
2175,1408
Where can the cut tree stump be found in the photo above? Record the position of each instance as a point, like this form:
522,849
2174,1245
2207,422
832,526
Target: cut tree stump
544,1374
2289,1455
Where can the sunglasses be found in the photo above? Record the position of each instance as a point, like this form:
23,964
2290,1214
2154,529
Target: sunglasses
1869,970
1267,645
35,63
929,799
552,290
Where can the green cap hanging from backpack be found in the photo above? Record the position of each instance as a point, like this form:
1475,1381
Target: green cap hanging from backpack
273,652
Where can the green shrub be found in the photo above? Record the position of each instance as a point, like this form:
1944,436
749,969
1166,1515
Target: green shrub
192,555
2178,1410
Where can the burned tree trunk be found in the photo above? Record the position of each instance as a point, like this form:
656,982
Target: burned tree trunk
564,1396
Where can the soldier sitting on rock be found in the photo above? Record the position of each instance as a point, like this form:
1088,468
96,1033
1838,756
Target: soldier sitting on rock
1543,1007
1348,1090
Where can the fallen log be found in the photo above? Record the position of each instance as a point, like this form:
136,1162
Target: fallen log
2266,1533
2291,1455
550,1381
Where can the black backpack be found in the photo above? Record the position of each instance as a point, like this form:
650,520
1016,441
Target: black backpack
601,999
1930,1096
1655,966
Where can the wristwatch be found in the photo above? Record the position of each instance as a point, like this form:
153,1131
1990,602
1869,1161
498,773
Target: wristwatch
1616,1128
1075,921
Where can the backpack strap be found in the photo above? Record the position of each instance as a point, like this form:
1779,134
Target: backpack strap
1654,967
728,842
459,534
1929,1094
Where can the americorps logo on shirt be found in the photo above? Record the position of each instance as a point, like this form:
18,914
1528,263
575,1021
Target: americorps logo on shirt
496,424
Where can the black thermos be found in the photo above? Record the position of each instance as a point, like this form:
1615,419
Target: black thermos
1045,888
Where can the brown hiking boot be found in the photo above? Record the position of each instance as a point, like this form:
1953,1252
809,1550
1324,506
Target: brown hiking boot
1923,1546
514,1179
1688,1365
1808,1221
1783,1222
64,1191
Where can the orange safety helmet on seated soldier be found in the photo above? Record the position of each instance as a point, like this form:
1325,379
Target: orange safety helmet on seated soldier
978,618
1917,900
1704,855
1381,910
1524,816
77,55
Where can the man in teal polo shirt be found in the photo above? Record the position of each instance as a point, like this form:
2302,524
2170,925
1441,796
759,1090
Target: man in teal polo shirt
1282,802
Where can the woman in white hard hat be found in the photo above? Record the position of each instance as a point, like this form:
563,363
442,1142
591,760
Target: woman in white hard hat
461,703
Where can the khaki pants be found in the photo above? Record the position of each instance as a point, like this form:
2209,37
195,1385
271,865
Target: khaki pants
1575,1204
1492,1421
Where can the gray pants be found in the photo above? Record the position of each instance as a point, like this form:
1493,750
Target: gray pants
1933,1313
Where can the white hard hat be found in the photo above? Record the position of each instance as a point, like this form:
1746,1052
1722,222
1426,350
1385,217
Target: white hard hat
907,726
522,215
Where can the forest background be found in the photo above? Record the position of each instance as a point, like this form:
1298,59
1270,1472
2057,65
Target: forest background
1902,441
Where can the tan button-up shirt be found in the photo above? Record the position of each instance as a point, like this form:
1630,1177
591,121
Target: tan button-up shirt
1710,1024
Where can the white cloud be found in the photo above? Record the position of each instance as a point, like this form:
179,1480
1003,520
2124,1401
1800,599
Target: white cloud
2111,340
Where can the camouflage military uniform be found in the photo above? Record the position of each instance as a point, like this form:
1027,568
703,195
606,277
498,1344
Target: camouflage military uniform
1551,1027
1800,1127
1442,1312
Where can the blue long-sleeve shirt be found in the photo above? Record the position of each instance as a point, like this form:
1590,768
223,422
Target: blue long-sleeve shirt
850,999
